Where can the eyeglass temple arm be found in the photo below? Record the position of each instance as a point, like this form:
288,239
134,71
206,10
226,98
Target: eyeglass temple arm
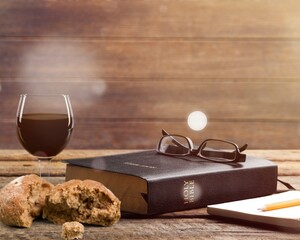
243,148
165,133
242,156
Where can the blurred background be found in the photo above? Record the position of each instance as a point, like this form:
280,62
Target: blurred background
133,67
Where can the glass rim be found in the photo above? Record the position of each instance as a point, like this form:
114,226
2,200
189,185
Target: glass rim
44,95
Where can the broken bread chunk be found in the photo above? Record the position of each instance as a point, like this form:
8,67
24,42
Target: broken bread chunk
23,199
85,201
72,231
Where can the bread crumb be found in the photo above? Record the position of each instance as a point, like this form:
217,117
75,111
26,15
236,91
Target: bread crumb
72,230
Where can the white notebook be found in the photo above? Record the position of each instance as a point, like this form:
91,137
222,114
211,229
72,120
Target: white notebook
249,210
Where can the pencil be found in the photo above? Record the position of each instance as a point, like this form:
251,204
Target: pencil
279,205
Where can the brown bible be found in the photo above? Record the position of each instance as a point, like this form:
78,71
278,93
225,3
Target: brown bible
149,183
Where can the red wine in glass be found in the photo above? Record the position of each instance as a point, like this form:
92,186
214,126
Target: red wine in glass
44,125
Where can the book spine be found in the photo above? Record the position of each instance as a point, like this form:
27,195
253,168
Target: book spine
182,193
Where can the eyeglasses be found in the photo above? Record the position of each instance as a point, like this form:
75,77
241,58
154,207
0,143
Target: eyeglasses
211,149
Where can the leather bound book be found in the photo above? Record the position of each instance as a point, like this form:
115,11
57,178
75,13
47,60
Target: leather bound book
150,183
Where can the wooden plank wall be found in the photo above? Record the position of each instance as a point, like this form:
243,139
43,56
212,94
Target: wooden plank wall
133,67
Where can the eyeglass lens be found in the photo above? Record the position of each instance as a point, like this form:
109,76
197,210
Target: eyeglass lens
174,145
218,150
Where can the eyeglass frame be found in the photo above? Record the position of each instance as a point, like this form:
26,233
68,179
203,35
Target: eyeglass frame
239,157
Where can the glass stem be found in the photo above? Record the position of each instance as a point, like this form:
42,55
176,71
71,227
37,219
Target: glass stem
40,168
45,166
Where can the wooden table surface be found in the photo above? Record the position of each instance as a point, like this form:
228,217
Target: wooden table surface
192,224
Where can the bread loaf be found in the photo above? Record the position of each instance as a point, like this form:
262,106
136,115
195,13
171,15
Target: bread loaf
23,199
85,201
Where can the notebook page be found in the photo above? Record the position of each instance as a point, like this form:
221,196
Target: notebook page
251,206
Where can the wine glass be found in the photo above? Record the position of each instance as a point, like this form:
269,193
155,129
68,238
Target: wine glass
44,125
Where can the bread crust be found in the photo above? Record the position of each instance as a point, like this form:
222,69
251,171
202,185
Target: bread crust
85,201
23,199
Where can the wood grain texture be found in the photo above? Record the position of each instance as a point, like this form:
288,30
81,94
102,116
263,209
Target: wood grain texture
189,225
83,58
172,99
19,162
151,18
182,225
147,64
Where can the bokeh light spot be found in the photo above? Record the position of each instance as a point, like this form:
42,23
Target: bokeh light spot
197,120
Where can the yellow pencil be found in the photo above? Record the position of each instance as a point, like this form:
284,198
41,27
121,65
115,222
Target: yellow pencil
279,205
